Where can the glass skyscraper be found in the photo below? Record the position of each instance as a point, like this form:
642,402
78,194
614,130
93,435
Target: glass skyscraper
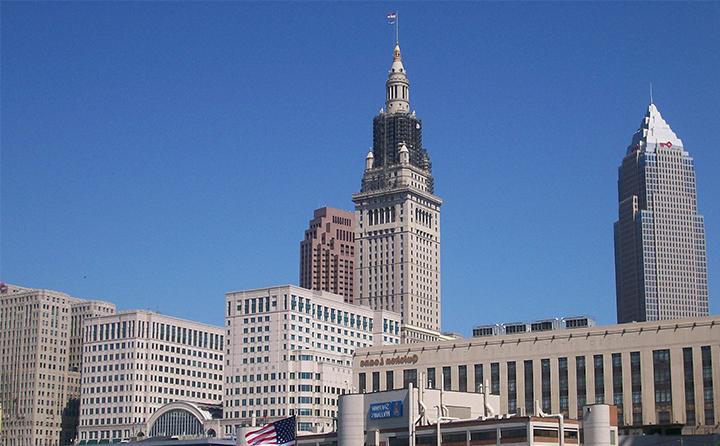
660,257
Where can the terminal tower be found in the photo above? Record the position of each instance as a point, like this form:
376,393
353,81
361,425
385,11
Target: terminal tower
397,238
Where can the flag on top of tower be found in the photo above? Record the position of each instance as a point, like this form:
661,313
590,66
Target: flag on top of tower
391,17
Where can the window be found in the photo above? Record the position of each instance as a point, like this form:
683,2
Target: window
529,395
563,385
618,386
176,422
495,378
362,382
581,384
389,380
663,386
513,435
453,438
483,437
447,379
690,418
546,385
462,378
479,378
636,388
409,376
707,370
599,379
545,435
511,387
375,381
431,378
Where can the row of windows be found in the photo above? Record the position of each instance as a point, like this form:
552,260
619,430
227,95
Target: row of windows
153,330
662,385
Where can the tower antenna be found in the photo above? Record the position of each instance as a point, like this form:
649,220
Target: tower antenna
651,93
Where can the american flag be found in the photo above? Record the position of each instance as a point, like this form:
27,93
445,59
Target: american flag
392,16
279,433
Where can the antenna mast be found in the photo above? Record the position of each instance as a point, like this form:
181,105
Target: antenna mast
397,27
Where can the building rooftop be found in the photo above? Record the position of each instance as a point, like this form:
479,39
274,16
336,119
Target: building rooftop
653,132
603,330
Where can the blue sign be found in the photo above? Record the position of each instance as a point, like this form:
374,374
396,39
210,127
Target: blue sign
390,409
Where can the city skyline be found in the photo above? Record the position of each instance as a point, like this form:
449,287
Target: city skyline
86,214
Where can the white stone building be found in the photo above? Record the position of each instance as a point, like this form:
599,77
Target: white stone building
39,365
289,352
137,361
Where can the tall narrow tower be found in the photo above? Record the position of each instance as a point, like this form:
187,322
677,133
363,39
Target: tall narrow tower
660,258
397,240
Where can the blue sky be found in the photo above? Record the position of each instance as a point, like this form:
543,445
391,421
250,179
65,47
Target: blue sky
160,154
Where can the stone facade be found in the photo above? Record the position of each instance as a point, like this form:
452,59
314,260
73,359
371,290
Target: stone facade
39,364
289,352
135,362
397,251
660,375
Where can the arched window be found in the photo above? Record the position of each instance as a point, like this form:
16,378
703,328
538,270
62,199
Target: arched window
176,422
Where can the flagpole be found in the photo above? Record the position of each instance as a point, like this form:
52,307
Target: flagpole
397,27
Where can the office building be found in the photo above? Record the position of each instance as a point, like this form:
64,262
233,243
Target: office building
289,352
135,362
39,364
397,251
660,259
327,254
663,376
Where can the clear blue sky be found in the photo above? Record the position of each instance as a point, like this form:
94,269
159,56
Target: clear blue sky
160,154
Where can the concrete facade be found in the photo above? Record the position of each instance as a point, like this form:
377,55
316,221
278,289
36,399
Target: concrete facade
327,253
658,374
660,253
289,352
137,361
397,251
39,364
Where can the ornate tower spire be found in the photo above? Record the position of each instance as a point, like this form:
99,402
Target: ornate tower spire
397,231
397,87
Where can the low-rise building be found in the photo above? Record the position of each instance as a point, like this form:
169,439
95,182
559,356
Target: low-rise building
662,376
413,417
137,361
289,352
